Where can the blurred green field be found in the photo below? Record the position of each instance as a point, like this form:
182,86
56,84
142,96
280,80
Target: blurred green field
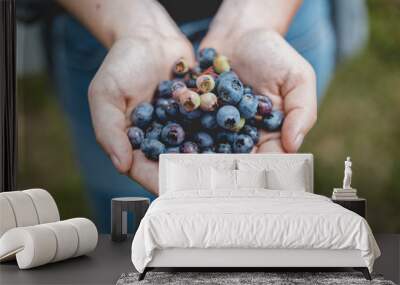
359,116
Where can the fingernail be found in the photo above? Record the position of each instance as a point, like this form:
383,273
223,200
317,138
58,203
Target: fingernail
298,141
115,161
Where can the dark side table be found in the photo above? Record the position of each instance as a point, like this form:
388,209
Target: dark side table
358,205
119,214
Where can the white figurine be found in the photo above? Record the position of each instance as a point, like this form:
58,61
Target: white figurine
347,174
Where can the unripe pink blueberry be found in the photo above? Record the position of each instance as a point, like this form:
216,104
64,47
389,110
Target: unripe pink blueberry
189,100
209,102
181,67
205,83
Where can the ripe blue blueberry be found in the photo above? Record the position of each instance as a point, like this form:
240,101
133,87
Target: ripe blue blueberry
189,147
225,136
172,109
190,82
166,109
252,132
208,121
135,136
230,90
206,57
273,122
228,117
248,106
224,148
152,148
161,113
161,102
154,131
172,134
142,115
164,89
203,140
243,144
228,74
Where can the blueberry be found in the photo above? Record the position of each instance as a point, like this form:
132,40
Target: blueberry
224,148
243,144
273,122
161,102
206,57
173,134
142,115
208,150
190,83
152,148
251,132
135,136
172,149
154,131
248,106
208,102
205,83
189,147
225,136
189,100
161,114
230,90
264,105
228,74
181,67
172,109
166,109
203,140
209,121
164,89
221,64
228,116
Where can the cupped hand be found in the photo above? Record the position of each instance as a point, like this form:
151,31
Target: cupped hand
264,60
128,76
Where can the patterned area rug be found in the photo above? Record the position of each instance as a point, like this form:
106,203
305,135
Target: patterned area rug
231,278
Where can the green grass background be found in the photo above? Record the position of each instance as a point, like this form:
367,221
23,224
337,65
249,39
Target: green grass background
359,116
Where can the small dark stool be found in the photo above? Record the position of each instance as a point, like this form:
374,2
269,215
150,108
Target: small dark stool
119,214
357,205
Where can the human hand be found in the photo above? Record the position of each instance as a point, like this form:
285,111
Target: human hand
264,60
128,76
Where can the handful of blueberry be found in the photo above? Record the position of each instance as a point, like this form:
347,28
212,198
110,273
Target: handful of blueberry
206,109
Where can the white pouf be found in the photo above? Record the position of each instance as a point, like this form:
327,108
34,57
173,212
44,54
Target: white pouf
23,208
40,244
46,207
7,218
31,230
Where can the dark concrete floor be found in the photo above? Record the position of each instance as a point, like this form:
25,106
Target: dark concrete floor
110,260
